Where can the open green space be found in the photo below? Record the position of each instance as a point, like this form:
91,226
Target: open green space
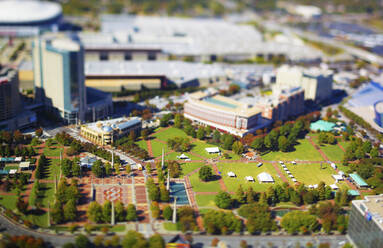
142,144
157,148
174,155
9,167
8,201
311,173
303,151
333,152
247,169
198,147
52,152
53,169
189,167
47,194
200,186
169,133
169,226
205,200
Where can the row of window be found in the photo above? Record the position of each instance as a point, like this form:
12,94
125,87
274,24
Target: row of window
103,56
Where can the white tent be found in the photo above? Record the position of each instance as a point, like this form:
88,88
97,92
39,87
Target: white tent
18,159
288,172
294,180
285,169
231,174
183,156
212,149
315,186
249,178
24,165
265,178
291,176
259,164
333,166
12,171
281,162
310,186
284,166
334,186
337,177
341,173
293,162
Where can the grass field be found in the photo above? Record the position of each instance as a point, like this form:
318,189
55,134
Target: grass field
53,169
205,200
312,173
142,143
189,167
173,156
157,148
303,151
171,132
333,152
170,226
52,152
200,186
8,201
242,170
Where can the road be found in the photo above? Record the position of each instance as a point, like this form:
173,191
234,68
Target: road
198,240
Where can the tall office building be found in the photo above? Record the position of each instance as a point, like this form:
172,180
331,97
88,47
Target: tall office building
365,226
12,114
59,76
316,83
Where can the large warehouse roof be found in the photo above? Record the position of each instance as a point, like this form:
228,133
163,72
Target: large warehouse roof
13,12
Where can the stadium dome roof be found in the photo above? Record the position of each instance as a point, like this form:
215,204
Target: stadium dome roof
14,12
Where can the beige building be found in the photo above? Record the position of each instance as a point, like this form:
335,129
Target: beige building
106,132
316,83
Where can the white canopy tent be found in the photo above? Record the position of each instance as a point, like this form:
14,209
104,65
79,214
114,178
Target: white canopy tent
18,159
183,156
231,174
294,163
265,178
12,171
294,180
291,176
334,186
249,178
337,177
212,150
24,165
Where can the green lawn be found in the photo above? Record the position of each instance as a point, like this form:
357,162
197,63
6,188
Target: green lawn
200,186
333,152
157,148
171,132
173,156
205,200
311,173
53,169
303,151
198,147
48,194
170,226
8,201
118,228
9,167
52,152
142,144
189,167
242,170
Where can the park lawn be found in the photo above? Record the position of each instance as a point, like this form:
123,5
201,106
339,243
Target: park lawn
303,151
9,167
200,186
142,144
53,169
118,228
246,169
169,226
48,194
344,144
157,148
169,133
333,152
312,173
173,156
39,220
8,201
205,200
189,167
198,147
52,152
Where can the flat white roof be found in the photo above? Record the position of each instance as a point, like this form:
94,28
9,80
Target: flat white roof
24,164
212,149
12,171
265,177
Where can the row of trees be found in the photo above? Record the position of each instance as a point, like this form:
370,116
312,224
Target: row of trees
16,150
157,192
259,218
71,168
65,205
358,149
42,165
326,138
283,138
179,144
15,138
99,169
220,222
102,214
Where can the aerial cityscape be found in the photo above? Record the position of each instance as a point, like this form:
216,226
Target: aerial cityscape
180,123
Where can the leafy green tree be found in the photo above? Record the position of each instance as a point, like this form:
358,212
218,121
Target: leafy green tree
238,147
82,241
131,213
66,167
108,169
240,195
57,213
120,211
250,195
228,142
207,131
178,121
76,169
258,217
223,200
296,221
94,212
164,194
98,168
205,173
107,211
167,213
156,241
155,209
283,144
70,210
216,136
374,153
134,239
144,134
258,144
201,133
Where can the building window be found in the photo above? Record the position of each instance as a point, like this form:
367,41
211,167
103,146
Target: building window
128,56
104,56
152,56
